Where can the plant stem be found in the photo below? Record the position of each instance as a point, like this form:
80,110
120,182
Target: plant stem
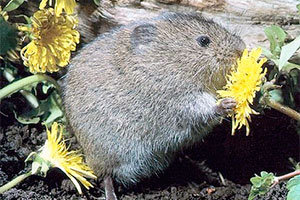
32,100
286,176
18,85
284,109
289,175
14,182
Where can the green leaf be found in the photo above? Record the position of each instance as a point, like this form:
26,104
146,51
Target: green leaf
287,51
97,2
293,182
276,37
46,110
276,95
30,157
23,120
294,193
252,196
261,184
54,110
8,36
293,186
45,88
31,99
290,66
255,180
267,53
39,166
35,167
27,119
12,5
270,56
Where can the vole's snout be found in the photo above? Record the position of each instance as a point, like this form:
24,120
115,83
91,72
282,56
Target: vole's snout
237,54
239,48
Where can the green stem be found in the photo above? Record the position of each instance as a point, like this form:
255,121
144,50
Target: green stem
32,100
18,85
14,182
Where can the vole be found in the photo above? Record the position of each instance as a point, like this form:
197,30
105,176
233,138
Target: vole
137,95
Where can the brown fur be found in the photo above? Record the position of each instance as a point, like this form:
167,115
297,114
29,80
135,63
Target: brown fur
137,95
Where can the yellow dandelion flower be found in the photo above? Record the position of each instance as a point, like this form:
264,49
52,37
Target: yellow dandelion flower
67,5
242,85
53,40
56,153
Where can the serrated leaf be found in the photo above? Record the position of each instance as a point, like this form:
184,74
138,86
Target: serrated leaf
288,51
8,36
12,5
261,184
264,174
276,37
255,180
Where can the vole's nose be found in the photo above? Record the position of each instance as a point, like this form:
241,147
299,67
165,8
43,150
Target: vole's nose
240,47
239,53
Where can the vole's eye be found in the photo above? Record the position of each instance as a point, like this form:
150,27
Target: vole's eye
203,41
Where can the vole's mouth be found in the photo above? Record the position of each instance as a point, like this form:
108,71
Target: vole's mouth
218,77
214,76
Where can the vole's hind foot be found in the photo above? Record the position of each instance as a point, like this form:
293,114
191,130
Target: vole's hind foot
109,189
226,106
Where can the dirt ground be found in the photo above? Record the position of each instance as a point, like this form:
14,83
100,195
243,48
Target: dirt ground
218,168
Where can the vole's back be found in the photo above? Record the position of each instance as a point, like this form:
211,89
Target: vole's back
135,96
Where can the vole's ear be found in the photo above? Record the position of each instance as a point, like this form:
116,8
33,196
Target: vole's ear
142,36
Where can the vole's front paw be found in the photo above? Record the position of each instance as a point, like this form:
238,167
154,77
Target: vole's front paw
226,106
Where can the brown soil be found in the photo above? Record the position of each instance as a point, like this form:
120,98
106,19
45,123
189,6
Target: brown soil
196,174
